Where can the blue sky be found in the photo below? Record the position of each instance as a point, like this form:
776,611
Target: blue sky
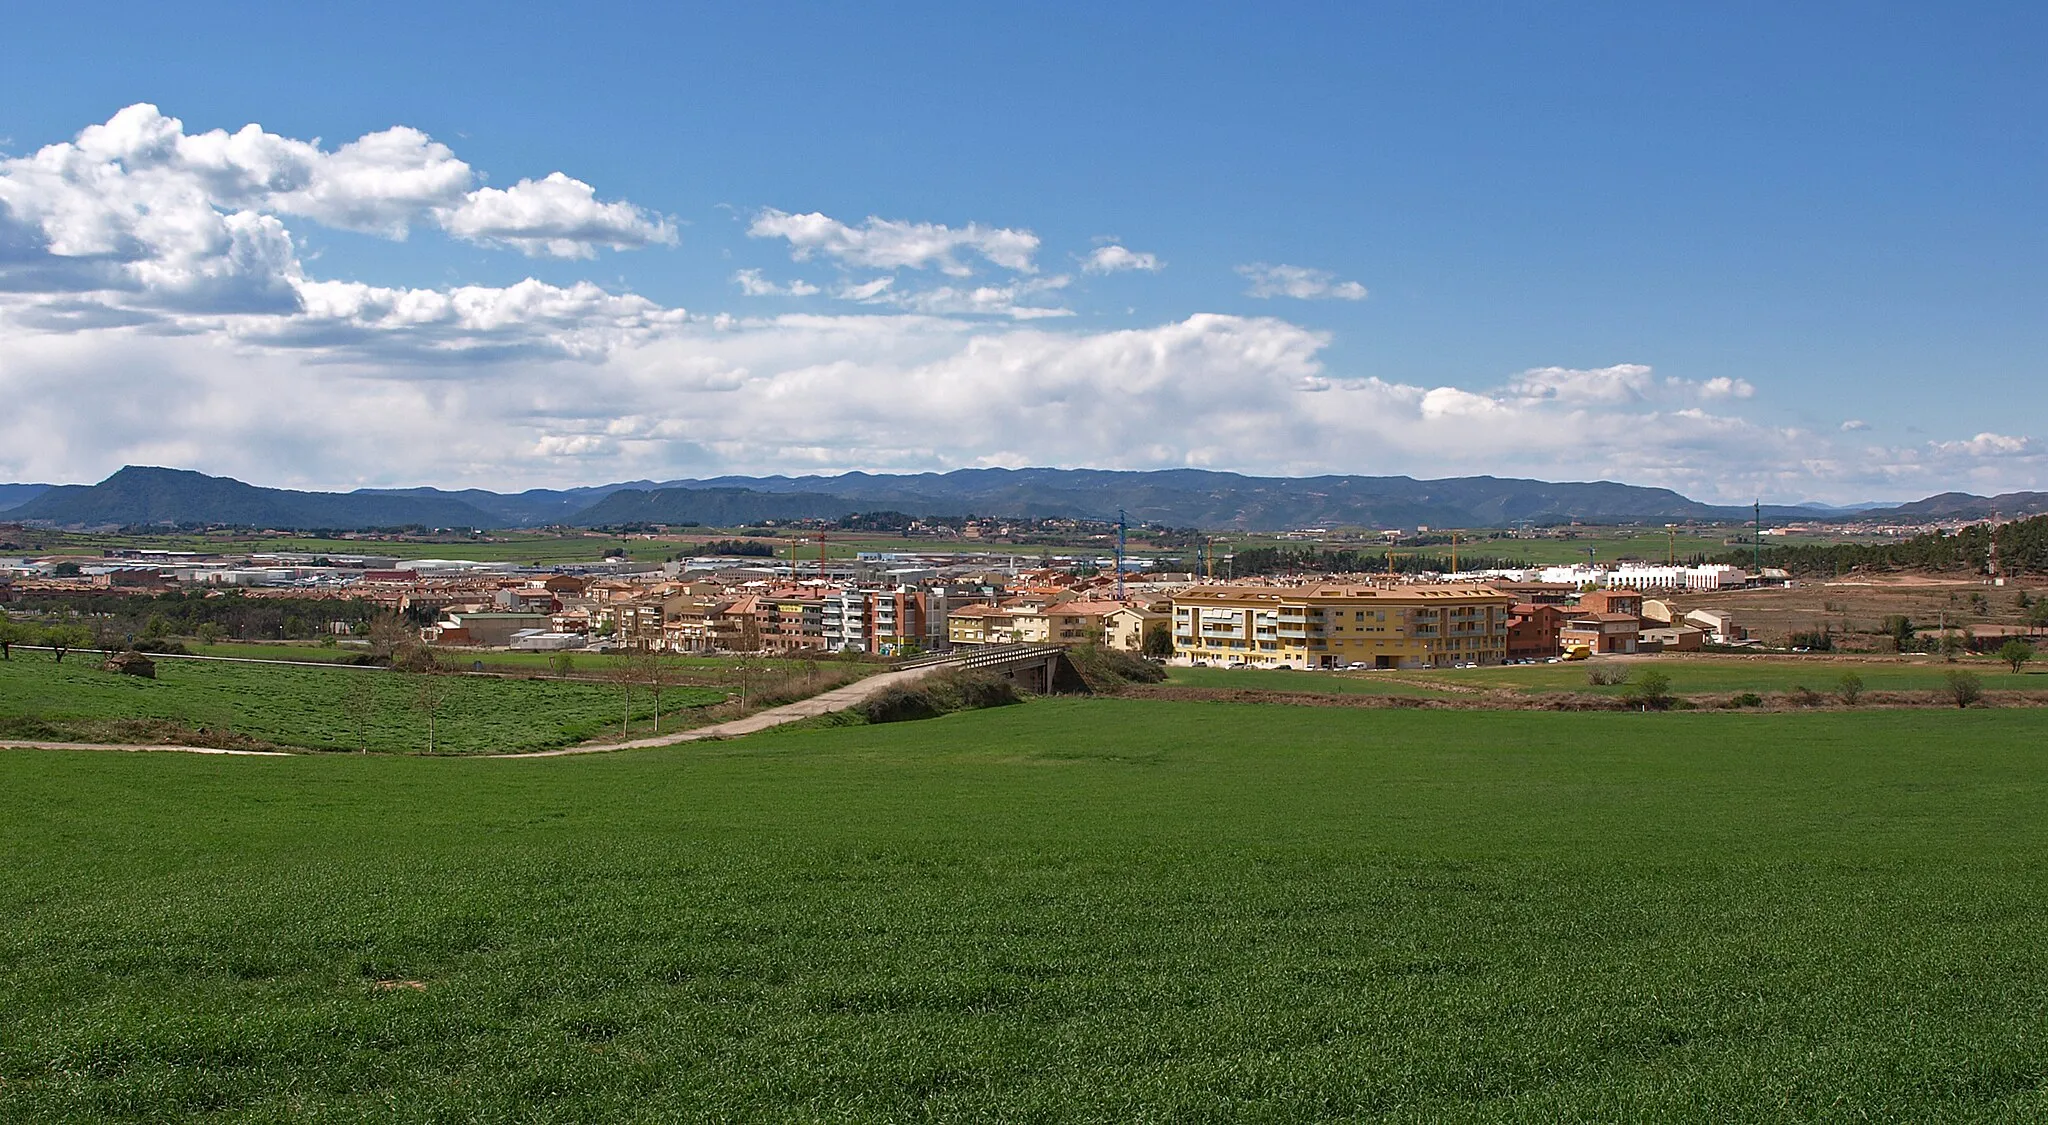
1669,247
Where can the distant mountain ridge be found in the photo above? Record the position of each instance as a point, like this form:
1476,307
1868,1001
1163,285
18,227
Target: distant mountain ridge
13,495
137,496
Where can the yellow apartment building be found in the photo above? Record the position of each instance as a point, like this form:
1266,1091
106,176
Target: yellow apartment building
1338,624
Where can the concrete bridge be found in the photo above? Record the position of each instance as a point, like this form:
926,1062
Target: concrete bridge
1035,668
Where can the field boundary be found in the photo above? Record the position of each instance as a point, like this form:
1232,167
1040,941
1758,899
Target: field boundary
137,747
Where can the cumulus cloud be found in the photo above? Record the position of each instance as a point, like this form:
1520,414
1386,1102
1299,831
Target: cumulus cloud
889,244
1298,282
154,218
557,216
1116,259
154,309
1988,445
753,284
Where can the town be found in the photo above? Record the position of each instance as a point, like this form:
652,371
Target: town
901,604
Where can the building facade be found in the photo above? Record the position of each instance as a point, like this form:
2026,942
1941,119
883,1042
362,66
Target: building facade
1335,625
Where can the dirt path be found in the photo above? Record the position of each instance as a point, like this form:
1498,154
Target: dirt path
25,744
838,699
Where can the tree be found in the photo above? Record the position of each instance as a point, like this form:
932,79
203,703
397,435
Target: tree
1899,628
208,633
747,676
2038,615
388,634
561,663
14,633
359,699
623,673
1652,691
1964,687
156,628
1158,640
1850,688
2016,652
430,693
657,670
63,638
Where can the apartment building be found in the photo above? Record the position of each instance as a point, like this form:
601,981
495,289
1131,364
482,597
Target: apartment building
1337,624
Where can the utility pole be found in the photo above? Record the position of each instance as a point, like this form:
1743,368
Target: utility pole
1756,543
1454,552
1120,528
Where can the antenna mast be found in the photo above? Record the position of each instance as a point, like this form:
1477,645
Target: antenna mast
1120,526
1756,541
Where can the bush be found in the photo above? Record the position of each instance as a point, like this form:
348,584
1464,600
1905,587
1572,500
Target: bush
1849,688
1746,699
1964,688
939,694
1803,696
1107,669
1652,692
1606,675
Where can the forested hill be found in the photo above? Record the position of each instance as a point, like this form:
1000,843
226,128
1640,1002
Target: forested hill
2022,549
138,496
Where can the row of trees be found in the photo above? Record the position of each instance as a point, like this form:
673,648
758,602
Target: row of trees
2022,548
195,614
61,637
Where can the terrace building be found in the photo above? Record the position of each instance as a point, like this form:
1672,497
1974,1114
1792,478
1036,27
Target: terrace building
1337,624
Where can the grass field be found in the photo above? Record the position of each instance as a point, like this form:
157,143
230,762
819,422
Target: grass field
309,707
1076,910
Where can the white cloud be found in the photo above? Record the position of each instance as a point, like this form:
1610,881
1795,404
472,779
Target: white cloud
556,216
153,218
1299,282
888,244
153,309
1011,300
1116,259
1854,424
1988,445
1725,387
753,284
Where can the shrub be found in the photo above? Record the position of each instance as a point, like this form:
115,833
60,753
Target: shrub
1849,688
939,694
1606,675
1107,669
1964,688
1652,692
1746,699
1803,696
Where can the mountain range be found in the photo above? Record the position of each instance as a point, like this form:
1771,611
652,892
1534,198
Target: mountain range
141,496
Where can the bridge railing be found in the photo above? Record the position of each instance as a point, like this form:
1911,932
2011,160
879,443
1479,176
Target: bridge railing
983,657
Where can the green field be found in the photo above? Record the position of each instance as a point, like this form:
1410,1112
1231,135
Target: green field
1075,910
310,707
